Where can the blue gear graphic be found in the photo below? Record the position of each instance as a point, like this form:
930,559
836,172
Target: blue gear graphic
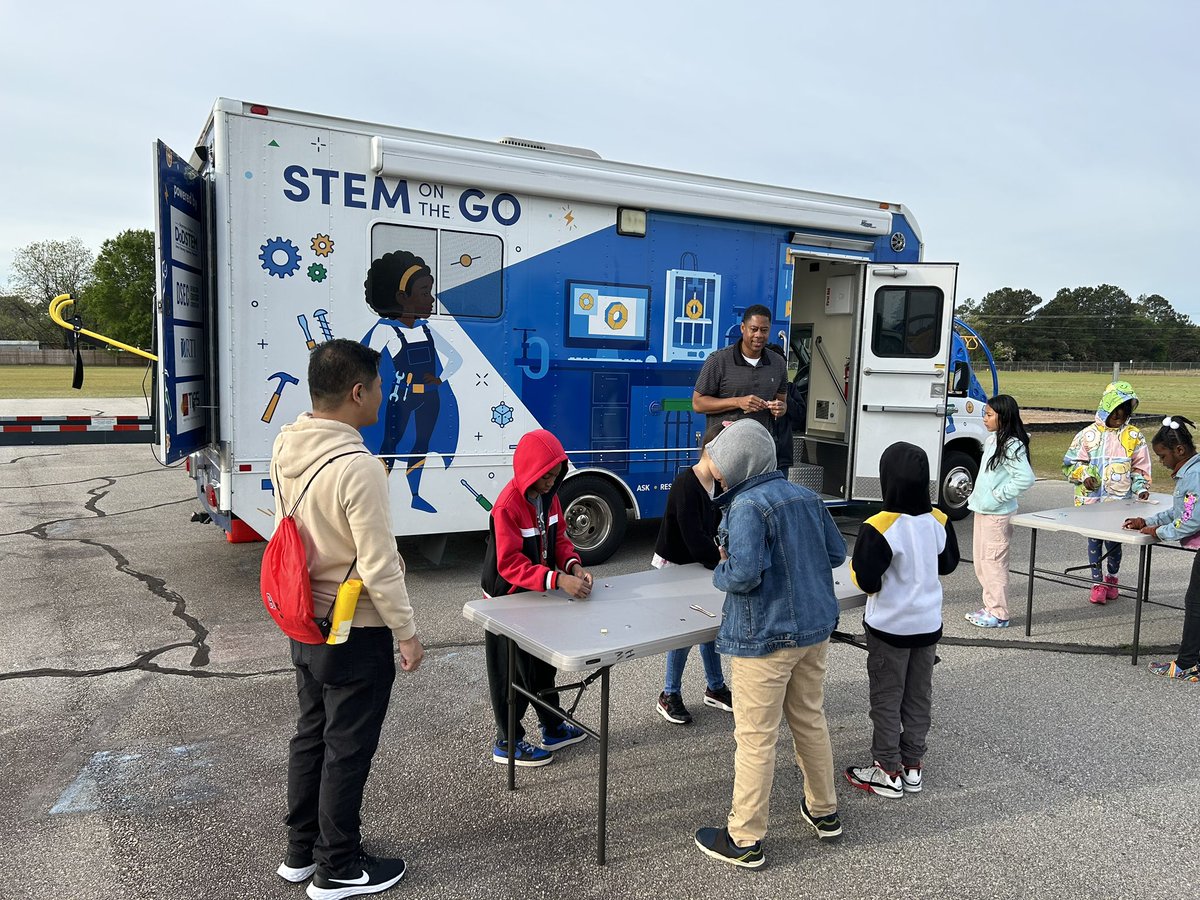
268,257
503,414
317,272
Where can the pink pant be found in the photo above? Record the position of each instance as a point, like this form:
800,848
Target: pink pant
990,549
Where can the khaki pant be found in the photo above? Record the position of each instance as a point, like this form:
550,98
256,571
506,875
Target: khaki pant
765,688
990,541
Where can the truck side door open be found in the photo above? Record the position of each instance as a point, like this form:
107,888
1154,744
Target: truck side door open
908,313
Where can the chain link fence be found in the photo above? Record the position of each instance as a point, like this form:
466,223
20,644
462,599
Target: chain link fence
1132,367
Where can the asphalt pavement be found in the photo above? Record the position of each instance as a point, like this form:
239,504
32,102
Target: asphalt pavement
148,702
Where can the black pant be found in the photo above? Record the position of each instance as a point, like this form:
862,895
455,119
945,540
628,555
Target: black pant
532,673
343,691
1189,646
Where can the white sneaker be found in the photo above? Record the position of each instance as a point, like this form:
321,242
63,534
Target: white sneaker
876,779
910,776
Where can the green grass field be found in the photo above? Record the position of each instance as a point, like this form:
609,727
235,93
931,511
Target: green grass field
29,382
1158,395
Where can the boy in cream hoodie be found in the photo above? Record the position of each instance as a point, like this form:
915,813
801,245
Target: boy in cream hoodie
343,689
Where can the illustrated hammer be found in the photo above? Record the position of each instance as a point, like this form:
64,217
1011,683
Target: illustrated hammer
284,380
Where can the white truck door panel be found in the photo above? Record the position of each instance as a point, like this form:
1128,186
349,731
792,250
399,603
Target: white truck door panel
908,313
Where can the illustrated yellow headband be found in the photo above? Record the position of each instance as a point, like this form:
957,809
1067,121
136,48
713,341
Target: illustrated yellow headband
409,273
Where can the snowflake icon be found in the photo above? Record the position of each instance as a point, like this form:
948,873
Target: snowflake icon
317,272
503,414
270,260
322,245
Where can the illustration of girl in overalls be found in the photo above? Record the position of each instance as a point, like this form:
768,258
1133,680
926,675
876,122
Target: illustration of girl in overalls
399,288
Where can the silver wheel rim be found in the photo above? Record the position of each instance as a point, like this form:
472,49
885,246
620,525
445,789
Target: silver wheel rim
589,522
957,486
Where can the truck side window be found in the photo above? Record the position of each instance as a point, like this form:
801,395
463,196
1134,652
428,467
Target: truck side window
960,379
471,279
467,267
908,322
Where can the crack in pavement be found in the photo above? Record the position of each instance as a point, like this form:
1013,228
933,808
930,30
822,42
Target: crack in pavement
16,459
144,663
155,585
24,487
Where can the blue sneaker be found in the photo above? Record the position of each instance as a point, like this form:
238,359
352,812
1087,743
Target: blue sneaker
526,755
984,620
564,735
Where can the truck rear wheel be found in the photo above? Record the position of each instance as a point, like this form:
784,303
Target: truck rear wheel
595,517
958,480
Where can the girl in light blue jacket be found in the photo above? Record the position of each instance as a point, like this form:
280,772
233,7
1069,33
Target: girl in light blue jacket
1004,473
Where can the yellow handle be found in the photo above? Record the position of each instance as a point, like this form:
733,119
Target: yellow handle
62,301
270,410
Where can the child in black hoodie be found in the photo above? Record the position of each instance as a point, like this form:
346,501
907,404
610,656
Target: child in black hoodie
688,534
898,557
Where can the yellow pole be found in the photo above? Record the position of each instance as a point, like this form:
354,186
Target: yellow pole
62,301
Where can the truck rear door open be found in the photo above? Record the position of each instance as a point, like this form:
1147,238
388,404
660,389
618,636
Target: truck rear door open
183,383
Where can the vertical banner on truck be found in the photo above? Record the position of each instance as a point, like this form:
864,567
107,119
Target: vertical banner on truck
180,305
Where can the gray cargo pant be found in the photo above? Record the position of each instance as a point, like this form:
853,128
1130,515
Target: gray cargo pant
901,696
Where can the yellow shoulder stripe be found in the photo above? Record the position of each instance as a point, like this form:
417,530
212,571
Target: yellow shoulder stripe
881,522
939,515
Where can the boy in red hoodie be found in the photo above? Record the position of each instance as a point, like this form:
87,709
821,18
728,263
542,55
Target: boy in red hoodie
528,550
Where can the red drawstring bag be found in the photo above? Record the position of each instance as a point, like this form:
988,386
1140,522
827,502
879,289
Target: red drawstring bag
284,582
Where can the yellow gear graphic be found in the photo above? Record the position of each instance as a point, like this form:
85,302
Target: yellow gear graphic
694,308
586,300
322,245
616,316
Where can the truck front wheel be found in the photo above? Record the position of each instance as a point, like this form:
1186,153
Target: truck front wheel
595,517
958,479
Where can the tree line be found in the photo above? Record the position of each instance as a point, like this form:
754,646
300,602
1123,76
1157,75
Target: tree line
1084,324
114,294
113,290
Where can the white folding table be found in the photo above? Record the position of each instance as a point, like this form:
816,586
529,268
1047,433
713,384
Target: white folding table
1103,521
626,617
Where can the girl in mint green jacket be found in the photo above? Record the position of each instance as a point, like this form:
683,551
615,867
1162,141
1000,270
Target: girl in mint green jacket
1004,473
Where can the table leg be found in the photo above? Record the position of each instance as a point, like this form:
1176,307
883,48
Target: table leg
1032,565
512,715
1143,591
602,839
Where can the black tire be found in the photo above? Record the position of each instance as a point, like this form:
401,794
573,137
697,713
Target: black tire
595,517
959,471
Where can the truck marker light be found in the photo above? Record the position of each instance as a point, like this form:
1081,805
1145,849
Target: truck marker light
259,110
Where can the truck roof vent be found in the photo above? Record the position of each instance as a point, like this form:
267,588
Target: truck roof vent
552,148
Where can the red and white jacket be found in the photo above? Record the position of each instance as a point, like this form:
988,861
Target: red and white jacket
520,555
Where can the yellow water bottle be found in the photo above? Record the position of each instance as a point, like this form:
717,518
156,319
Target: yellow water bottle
342,615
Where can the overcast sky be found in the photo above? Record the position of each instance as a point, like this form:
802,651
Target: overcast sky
1040,144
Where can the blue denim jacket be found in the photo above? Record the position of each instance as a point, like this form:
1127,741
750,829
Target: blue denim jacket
778,579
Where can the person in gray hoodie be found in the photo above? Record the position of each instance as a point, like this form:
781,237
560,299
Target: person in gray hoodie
778,547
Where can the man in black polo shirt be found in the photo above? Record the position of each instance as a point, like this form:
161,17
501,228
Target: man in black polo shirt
743,380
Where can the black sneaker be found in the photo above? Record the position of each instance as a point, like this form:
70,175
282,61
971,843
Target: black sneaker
828,826
297,866
715,842
375,876
671,708
721,698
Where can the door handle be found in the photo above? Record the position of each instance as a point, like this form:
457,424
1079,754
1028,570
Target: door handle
936,373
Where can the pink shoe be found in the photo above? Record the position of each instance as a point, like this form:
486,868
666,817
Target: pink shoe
1110,582
1099,594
